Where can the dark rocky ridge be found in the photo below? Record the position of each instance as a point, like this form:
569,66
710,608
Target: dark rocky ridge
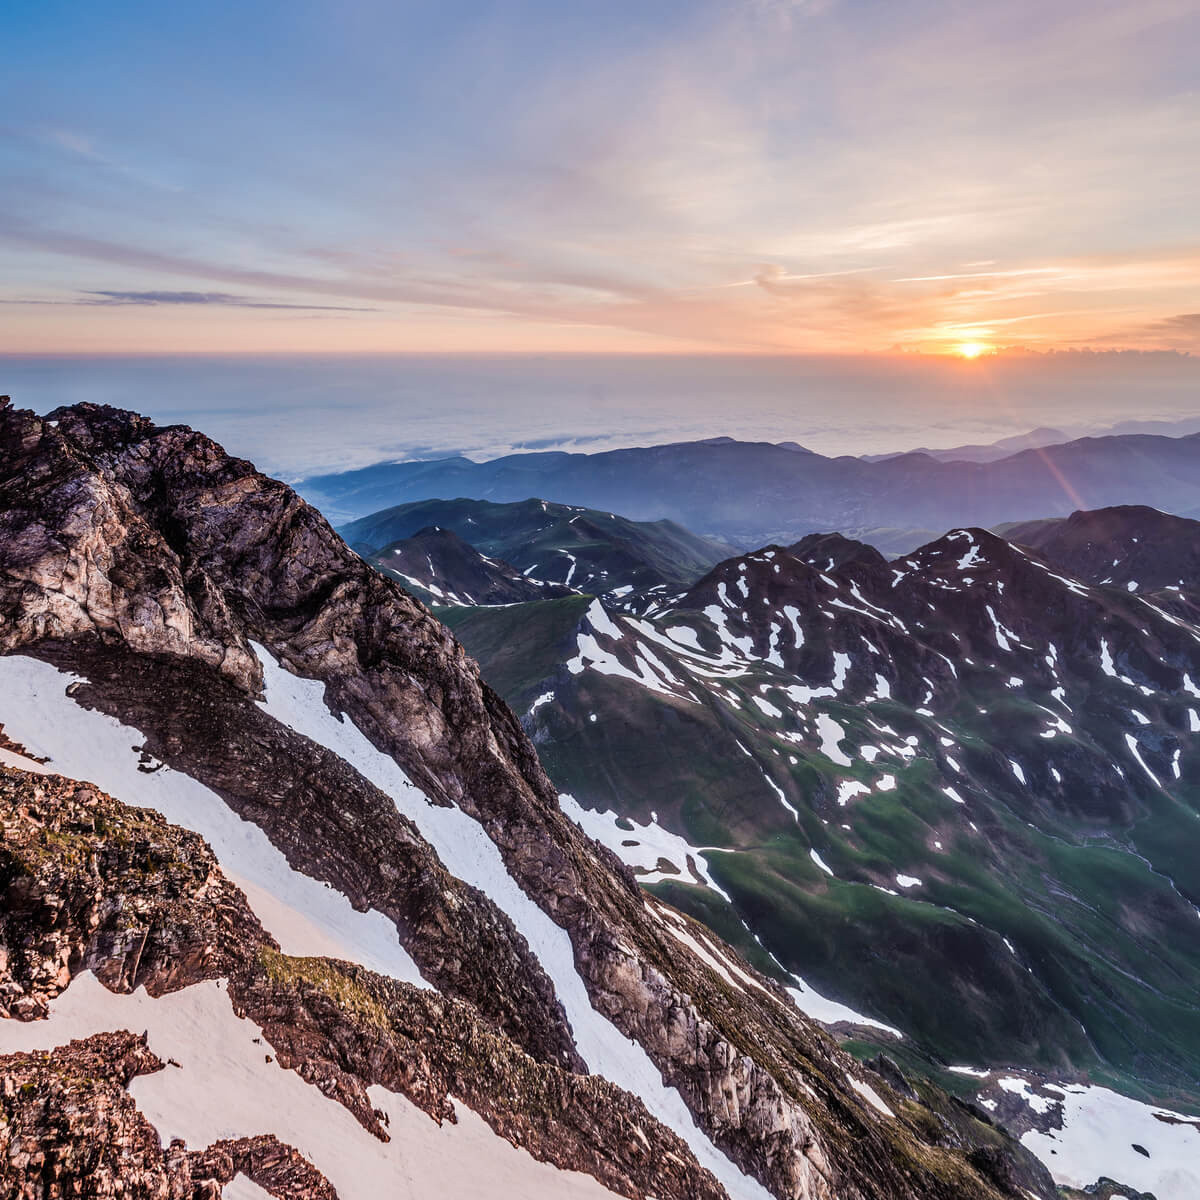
932,621
591,551
1156,551
833,552
116,530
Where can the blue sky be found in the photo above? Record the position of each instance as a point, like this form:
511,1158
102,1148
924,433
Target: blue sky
770,175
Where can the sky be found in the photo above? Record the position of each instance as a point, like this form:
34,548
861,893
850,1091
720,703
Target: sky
833,177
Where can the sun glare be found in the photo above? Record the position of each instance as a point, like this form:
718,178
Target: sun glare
970,349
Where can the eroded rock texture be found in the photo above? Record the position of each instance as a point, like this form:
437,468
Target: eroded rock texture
92,875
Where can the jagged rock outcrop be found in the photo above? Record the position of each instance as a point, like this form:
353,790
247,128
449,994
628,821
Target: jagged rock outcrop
175,919
277,1168
68,1127
69,1124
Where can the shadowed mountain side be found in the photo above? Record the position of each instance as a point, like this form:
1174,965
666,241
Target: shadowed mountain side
754,493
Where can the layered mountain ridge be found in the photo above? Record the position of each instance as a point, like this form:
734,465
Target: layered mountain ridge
380,901
552,545
753,493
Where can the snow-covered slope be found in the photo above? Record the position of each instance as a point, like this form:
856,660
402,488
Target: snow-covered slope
220,1076
465,848
306,916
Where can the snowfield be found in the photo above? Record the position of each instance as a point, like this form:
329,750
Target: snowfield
218,1091
1100,1129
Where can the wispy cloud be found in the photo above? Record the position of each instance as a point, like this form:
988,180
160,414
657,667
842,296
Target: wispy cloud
86,150
205,299
981,275
75,143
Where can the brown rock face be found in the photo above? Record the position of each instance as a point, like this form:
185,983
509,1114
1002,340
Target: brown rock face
68,1127
175,919
77,559
277,1168
154,543
69,1124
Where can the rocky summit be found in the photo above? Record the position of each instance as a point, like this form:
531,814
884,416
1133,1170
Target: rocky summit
291,905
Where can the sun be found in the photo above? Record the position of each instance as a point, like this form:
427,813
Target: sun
970,349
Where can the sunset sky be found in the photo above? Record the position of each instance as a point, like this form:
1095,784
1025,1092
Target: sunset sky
817,176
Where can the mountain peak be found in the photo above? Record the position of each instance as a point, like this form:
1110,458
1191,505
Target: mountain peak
834,552
1129,545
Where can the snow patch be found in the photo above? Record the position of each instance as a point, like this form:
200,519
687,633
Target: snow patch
821,863
870,1095
831,734
642,846
848,789
1134,749
831,1012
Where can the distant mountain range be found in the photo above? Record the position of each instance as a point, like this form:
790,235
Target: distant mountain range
752,494
985,451
1043,436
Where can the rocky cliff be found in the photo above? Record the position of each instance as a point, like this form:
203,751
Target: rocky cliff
169,580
